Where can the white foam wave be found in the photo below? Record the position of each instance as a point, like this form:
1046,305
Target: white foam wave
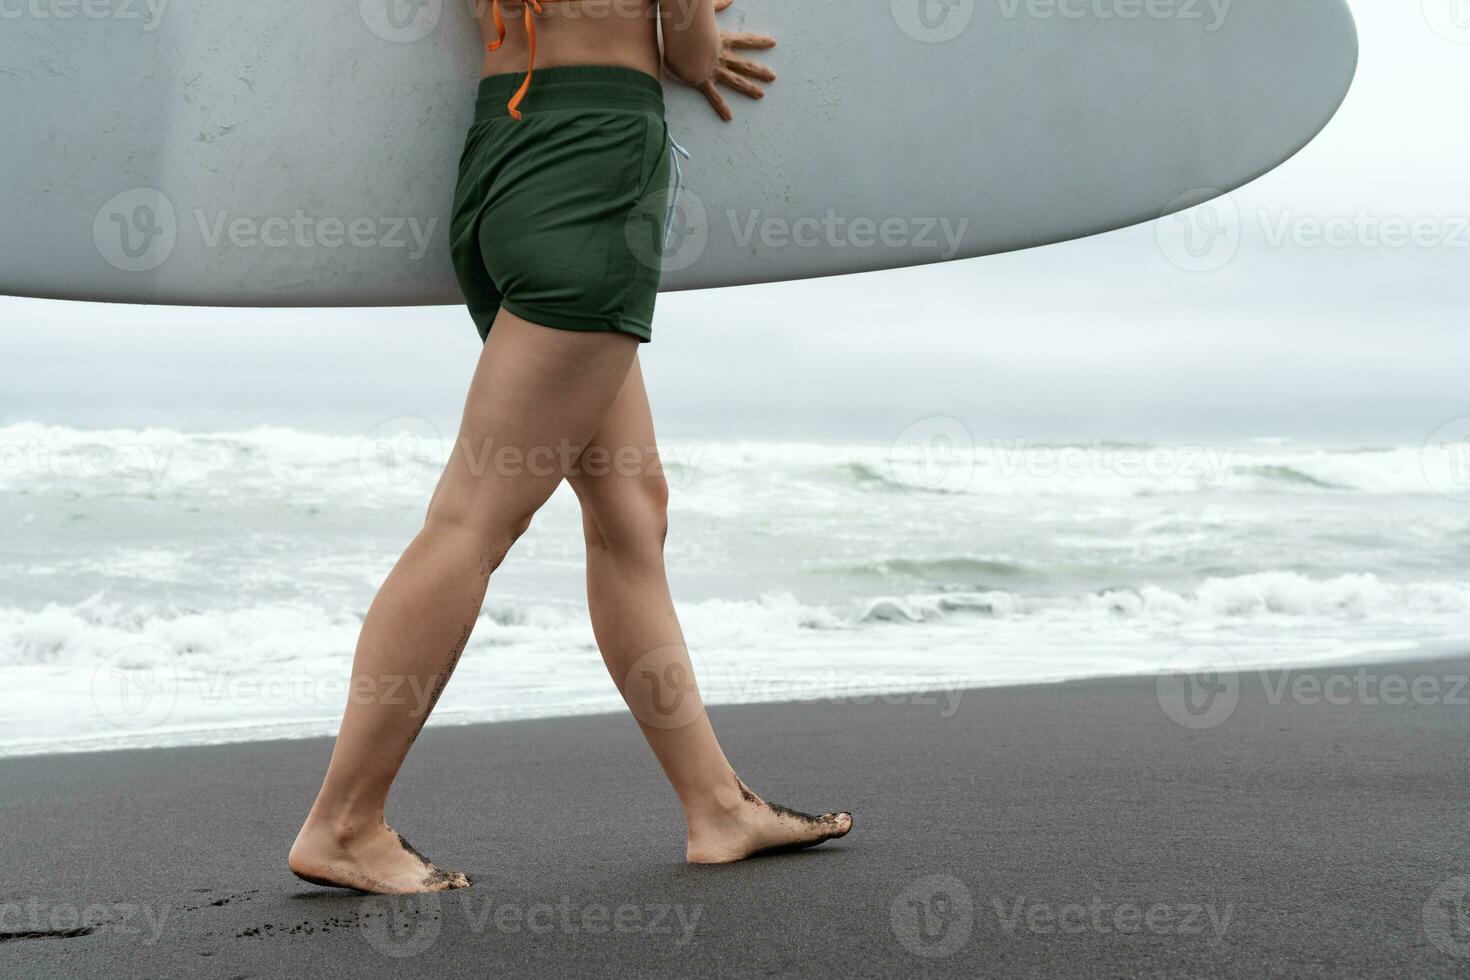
275,633
1263,594
370,465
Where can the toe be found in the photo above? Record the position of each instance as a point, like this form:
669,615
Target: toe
440,880
841,822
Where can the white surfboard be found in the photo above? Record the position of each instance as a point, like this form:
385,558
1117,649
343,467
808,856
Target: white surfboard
279,153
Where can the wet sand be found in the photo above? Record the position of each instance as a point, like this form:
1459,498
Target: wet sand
1062,830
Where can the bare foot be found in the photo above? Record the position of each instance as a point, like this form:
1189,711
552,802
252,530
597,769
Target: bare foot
377,861
751,826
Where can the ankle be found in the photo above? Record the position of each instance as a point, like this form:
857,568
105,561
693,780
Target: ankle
340,827
717,804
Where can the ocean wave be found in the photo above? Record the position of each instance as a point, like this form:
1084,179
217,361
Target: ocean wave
948,570
275,633
1214,601
401,454
1292,477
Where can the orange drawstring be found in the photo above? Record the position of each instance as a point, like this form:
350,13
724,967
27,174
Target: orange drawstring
532,8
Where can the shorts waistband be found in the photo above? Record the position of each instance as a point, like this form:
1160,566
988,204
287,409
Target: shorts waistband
572,87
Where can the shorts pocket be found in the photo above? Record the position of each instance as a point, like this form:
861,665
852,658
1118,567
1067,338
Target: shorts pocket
655,145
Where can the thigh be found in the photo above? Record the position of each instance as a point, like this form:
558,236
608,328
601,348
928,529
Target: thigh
538,397
619,477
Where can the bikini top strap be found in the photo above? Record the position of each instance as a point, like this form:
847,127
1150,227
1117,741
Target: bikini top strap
531,8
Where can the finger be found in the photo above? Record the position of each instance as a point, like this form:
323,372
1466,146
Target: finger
745,39
722,4
748,68
716,100
744,86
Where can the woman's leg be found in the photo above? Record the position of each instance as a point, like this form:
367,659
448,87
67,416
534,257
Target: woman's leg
624,496
537,397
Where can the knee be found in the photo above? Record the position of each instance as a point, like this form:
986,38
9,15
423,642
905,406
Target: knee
630,519
492,533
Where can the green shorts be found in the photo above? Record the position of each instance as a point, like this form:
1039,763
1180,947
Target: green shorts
559,217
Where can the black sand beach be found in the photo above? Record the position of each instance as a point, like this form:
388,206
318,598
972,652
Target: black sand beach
1061,830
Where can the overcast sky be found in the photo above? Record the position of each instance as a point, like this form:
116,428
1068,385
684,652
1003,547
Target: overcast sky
1098,338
